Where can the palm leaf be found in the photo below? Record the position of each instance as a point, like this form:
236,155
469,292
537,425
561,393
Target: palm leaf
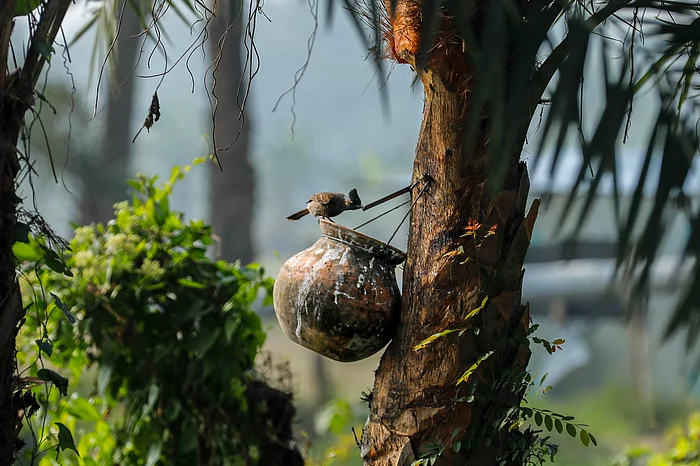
660,49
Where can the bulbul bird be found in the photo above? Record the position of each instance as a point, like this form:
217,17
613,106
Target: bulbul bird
329,205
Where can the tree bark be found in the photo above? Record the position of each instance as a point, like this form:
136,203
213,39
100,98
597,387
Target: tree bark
103,176
232,195
12,108
15,100
417,401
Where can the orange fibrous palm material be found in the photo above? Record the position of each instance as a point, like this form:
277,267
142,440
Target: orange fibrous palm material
403,38
400,23
446,54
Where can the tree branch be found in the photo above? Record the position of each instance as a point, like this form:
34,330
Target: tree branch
7,10
42,39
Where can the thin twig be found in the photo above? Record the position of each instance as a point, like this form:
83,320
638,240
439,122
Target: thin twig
426,178
382,214
313,6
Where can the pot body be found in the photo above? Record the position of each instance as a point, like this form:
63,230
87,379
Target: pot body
339,297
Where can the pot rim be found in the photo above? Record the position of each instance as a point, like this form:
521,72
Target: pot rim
361,241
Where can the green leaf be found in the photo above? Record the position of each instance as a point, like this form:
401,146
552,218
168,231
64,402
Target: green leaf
191,283
155,286
22,230
64,308
474,312
153,395
45,50
538,418
82,409
548,422
104,374
198,254
473,368
585,439
558,425
154,453
52,261
65,439
200,160
230,326
434,337
268,300
206,340
593,440
178,239
45,346
136,185
334,417
173,410
24,7
24,252
571,430
456,446
59,381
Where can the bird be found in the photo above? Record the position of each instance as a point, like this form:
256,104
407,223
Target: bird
327,205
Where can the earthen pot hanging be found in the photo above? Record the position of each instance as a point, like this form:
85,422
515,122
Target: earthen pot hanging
339,297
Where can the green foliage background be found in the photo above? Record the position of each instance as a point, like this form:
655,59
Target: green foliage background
685,449
171,335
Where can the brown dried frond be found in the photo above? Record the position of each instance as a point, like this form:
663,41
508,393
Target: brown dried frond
363,11
152,117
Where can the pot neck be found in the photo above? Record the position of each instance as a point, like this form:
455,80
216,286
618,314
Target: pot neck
362,242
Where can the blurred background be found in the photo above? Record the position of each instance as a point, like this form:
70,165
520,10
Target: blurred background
334,133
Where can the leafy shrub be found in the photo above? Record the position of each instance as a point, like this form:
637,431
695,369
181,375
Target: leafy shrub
685,450
172,335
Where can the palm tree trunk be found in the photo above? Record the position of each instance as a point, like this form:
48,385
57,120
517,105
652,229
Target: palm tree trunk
466,248
232,194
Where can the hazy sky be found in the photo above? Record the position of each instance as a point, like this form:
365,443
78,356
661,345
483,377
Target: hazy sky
343,135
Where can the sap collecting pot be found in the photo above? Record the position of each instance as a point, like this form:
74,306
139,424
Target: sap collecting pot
339,297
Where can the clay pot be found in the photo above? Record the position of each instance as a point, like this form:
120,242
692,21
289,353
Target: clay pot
339,297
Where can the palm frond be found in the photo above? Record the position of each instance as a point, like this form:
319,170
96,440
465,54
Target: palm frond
524,54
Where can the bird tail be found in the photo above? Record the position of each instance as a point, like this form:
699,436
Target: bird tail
298,215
